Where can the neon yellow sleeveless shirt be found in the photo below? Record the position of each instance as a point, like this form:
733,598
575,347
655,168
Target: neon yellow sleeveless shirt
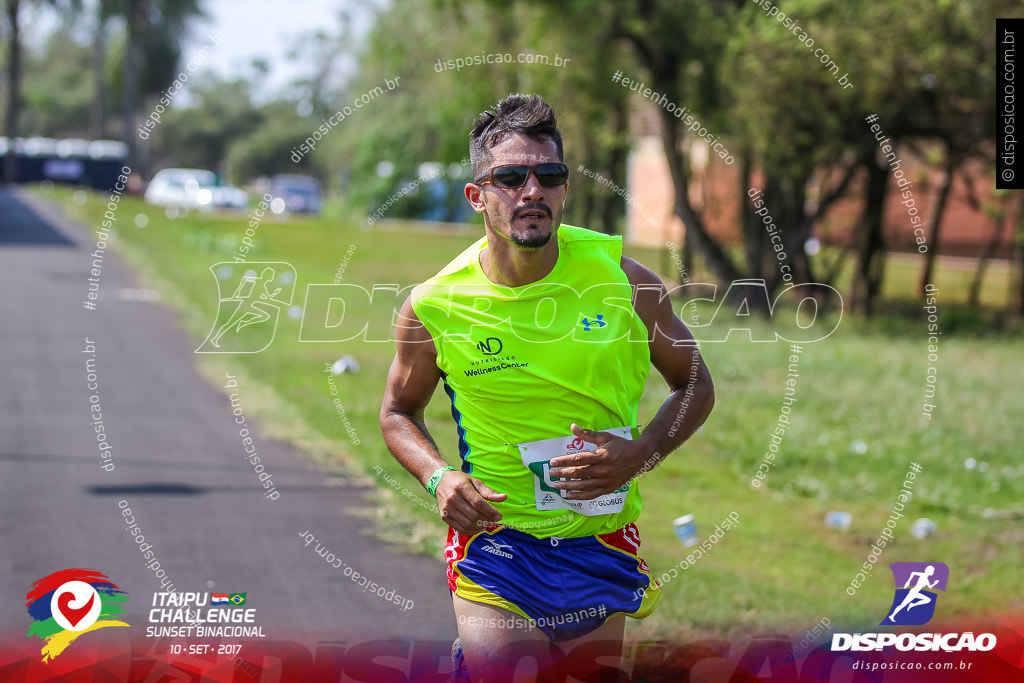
520,364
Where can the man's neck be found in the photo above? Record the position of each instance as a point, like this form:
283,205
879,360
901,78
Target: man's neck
505,264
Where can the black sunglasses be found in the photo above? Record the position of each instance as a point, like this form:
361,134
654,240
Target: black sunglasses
514,176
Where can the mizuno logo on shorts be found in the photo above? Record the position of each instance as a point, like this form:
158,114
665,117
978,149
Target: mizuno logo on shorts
495,548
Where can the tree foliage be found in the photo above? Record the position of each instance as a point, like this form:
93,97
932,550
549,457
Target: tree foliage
796,129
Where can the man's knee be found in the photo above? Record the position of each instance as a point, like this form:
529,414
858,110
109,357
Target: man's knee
512,660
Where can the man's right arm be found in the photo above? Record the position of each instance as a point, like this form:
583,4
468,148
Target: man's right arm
412,379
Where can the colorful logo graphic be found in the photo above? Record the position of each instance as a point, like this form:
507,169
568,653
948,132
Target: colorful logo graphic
68,603
577,444
587,322
914,603
260,293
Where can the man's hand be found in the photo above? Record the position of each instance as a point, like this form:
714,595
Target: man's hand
605,469
462,501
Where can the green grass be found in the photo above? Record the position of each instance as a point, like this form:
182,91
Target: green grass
780,569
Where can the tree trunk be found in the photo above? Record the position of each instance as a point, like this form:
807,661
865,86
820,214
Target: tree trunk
935,227
97,119
867,283
803,268
607,208
1016,299
665,67
696,234
775,202
750,223
797,233
614,206
687,256
13,90
137,19
998,226
1017,282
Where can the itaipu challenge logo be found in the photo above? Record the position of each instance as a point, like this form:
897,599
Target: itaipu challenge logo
69,603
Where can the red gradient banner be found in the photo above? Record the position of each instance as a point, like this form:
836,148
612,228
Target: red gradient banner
118,657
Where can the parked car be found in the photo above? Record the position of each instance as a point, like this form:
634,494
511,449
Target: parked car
194,188
295,193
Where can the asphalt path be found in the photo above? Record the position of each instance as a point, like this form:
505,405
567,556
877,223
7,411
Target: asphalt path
177,462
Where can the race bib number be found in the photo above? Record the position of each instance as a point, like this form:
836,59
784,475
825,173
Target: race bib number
537,456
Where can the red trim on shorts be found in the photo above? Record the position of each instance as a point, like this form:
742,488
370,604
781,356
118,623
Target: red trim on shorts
455,550
626,539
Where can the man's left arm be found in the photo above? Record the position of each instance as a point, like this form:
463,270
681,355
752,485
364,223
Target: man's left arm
675,355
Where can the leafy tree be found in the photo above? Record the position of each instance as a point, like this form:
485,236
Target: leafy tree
788,119
268,148
155,29
201,134
429,116
926,72
14,67
13,108
58,90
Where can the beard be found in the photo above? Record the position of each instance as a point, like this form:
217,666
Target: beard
533,236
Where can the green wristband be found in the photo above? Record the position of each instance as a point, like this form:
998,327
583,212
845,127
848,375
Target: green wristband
435,479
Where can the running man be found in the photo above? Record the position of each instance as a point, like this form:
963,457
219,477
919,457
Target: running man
914,597
250,309
543,335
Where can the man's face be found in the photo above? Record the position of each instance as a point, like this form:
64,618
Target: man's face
526,216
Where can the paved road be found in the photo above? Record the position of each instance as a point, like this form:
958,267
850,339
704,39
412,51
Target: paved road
178,463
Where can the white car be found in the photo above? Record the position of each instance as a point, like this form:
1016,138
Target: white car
194,188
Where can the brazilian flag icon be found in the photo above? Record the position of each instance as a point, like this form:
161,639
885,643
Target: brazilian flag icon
237,598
